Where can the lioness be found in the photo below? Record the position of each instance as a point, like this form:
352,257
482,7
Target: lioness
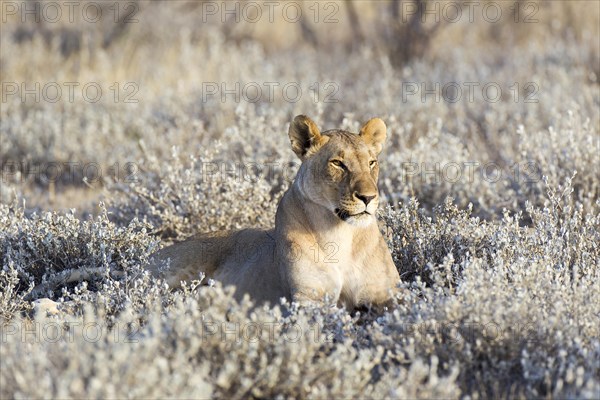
326,240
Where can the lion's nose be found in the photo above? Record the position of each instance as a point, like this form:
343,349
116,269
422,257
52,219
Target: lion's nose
365,198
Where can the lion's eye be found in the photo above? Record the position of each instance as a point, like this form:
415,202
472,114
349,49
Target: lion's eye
338,164
372,163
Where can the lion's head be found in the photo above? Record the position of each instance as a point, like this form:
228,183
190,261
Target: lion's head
339,169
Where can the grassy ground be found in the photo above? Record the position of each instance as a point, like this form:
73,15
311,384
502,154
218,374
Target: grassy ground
158,121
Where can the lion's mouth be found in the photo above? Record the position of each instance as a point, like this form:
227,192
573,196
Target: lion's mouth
345,214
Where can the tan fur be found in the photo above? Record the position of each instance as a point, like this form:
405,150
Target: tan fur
325,242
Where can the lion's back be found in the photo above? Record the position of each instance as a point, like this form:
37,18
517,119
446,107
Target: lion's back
244,258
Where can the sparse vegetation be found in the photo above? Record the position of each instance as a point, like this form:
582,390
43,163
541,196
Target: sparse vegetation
491,207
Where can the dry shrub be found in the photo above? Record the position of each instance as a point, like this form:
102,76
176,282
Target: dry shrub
487,310
61,257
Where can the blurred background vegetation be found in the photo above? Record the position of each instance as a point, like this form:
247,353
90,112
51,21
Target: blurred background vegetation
352,59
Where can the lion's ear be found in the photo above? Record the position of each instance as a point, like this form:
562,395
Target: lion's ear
374,133
304,134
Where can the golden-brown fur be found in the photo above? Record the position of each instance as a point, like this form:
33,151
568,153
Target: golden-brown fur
325,242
